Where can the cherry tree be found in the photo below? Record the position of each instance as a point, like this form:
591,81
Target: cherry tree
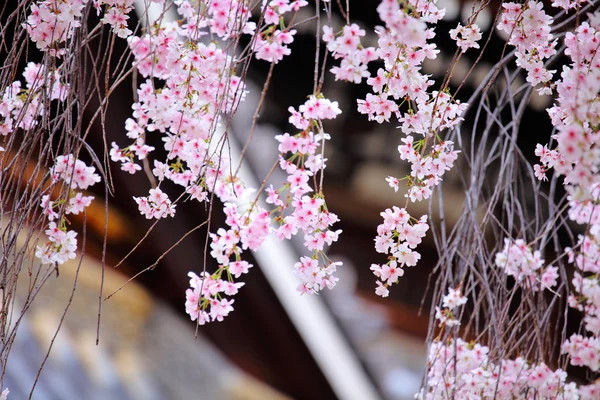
505,271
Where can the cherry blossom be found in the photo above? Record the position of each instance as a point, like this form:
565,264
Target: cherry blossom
156,205
22,104
299,211
460,369
62,242
398,236
529,28
574,115
466,36
447,313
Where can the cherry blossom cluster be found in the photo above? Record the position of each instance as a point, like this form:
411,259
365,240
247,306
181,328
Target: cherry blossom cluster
448,312
61,246
271,43
585,209
585,296
296,209
583,351
199,86
204,302
568,4
184,111
519,261
62,243
21,107
116,14
548,159
397,236
426,170
156,205
437,113
402,47
576,111
276,9
199,83
52,23
347,47
224,18
459,369
466,37
575,115
230,18
529,27
248,225
273,47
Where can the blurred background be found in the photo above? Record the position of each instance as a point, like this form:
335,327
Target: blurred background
271,346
